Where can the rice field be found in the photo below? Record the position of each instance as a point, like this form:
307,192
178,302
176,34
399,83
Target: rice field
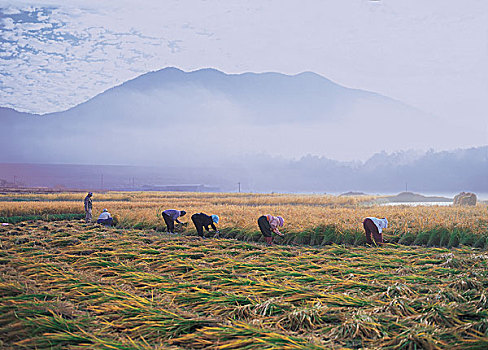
71,285
65,284
309,219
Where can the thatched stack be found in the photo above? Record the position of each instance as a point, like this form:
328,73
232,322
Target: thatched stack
465,198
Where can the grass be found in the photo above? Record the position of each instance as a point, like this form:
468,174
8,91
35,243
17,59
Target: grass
45,217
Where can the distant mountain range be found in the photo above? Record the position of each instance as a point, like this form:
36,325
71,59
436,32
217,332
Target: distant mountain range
206,127
181,118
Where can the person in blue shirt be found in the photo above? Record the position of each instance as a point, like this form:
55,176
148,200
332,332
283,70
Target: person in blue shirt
170,216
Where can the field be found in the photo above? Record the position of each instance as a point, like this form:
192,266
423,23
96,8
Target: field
66,284
309,219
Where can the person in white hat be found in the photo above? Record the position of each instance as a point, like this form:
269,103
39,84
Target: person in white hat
105,218
375,227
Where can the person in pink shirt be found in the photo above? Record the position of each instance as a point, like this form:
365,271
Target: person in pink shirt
268,224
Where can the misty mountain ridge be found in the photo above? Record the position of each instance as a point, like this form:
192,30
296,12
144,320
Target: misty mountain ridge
175,117
266,92
252,97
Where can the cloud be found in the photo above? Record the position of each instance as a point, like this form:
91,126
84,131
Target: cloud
77,46
8,23
11,11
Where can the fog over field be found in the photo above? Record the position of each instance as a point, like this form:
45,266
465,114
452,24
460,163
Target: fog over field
364,95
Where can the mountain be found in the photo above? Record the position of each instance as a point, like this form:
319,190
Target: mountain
175,117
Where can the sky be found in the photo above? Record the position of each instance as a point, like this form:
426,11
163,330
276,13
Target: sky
432,55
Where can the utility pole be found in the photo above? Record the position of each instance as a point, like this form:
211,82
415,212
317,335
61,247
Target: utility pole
239,187
101,182
15,178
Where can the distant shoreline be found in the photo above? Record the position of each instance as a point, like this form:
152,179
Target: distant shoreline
406,197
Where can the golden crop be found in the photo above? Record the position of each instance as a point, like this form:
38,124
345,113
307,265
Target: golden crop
241,211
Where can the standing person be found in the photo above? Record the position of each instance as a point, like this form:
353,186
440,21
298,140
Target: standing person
268,224
170,216
88,207
374,226
202,220
105,218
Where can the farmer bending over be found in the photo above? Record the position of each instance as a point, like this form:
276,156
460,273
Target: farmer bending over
105,218
202,220
374,226
170,216
269,224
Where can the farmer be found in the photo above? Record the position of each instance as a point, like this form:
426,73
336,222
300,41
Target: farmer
202,220
88,207
374,226
269,224
170,216
105,218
